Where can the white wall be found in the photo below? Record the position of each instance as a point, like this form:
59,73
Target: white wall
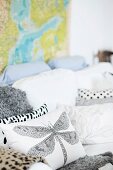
91,27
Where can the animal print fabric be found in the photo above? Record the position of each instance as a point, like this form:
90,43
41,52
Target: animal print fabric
13,160
24,117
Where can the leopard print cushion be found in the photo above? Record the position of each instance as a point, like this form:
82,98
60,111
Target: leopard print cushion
13,160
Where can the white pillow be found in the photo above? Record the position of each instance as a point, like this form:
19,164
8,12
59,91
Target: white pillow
109,77
97,68
94,123
93,78
40,166
52,87
48,136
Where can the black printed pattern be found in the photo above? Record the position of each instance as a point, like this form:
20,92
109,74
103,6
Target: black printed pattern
24,117
3,139
91,94
90,97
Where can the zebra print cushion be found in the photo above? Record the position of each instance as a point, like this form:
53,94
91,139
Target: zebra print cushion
24,117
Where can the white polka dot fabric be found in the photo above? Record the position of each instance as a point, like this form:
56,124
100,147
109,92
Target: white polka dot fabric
91,94
89,97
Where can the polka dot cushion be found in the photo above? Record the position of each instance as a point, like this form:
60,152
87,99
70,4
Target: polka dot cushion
88,97
93,94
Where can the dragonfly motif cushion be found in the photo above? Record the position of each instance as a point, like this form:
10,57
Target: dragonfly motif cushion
51,136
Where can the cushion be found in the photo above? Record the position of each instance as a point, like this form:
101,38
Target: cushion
3,140
18,71
92,77
52,87
109,77
49,136
40,166
13,160
89,97
27,116
102,161
73,63
93,123
13,102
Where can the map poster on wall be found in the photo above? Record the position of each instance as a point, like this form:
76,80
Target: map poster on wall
32,30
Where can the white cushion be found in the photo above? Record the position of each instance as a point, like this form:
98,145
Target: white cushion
94,123
52,87
49,136
40,166
93,78
3,140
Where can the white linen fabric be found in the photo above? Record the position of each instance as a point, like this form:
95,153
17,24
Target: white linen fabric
52,87
109,76
40,166
93,77
60,86
94,123
49,136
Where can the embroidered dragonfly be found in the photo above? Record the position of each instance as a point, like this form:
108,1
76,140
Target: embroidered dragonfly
55,132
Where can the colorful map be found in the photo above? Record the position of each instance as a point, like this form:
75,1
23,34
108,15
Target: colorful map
32,30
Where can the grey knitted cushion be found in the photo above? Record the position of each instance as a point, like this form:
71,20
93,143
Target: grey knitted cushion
13,102
90,162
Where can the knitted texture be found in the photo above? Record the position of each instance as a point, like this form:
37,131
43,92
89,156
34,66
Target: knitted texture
13,102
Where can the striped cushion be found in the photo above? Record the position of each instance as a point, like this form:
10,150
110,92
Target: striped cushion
24,117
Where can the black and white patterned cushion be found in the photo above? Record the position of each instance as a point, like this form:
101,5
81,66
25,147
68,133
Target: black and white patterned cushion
88,97
37,137
94,94
3,139
24,117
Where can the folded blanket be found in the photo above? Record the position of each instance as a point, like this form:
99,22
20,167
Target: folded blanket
90,162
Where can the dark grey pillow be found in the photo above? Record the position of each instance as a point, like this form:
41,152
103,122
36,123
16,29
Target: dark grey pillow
13,102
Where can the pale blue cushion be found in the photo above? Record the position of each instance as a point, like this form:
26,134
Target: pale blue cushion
73,63
13,73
